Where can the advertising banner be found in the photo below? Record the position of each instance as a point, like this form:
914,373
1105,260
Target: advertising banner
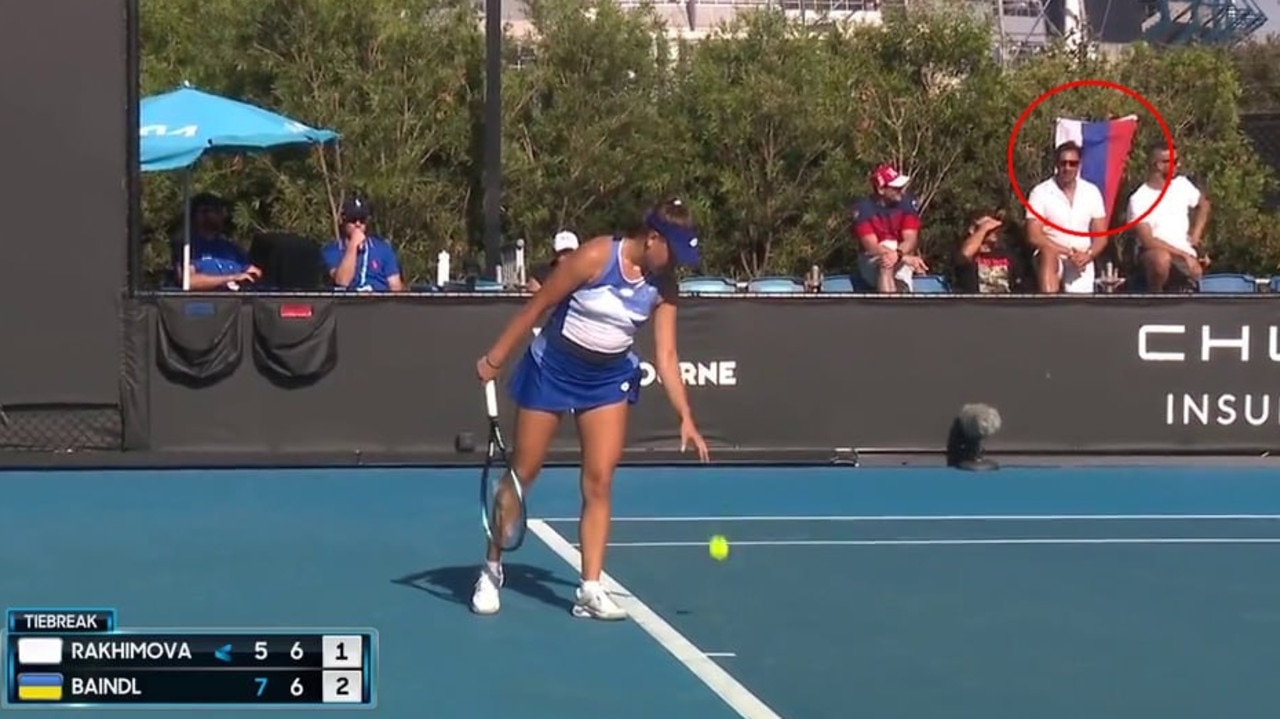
803,374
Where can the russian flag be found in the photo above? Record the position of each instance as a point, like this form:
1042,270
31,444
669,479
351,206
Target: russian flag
1105,146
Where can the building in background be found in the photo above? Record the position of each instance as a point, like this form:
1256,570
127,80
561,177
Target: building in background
1021,26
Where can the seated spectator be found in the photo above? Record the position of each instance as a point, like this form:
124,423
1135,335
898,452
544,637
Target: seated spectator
1065,259
1168,237
886,227
217,263
986,263
565,242
358,261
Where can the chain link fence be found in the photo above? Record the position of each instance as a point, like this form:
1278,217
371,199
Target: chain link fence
60,427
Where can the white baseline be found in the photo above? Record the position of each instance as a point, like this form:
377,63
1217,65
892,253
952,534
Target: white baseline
738,697
940,518
961,542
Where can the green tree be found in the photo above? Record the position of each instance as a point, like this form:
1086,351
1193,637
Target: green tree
399,79
765,109
587,139
768,128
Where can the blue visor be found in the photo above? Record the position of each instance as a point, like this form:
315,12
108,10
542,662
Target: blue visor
683,242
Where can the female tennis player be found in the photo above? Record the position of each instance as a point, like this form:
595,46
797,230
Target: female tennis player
582,362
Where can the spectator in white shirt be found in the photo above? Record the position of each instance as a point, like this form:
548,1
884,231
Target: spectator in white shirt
1169,237
1064,260
563,244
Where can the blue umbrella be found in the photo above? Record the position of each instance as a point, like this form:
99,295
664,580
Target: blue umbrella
177,128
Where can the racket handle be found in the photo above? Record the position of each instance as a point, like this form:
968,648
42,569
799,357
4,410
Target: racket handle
491,398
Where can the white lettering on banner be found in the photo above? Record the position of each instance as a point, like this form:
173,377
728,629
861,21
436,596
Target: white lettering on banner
164,131
1226,344
720,373
1170,343
717,373
1224,410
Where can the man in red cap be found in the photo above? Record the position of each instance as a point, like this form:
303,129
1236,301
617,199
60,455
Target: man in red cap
886,227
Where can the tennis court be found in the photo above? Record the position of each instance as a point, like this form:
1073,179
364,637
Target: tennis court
876,592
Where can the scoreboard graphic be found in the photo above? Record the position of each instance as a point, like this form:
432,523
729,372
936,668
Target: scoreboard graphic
68,658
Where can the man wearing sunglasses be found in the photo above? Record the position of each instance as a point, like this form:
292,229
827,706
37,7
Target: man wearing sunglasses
1064,260
358,261
217,263
1169,236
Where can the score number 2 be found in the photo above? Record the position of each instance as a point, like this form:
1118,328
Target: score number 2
260,651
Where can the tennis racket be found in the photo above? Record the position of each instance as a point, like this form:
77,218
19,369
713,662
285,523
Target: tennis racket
502,506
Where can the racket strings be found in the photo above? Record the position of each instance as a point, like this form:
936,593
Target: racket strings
506,509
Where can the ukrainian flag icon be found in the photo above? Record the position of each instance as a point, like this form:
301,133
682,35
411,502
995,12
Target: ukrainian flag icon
39,687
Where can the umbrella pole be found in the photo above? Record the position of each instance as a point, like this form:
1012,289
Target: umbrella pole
186,231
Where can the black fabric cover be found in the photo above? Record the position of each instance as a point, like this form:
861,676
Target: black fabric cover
295,341
135,376
198,340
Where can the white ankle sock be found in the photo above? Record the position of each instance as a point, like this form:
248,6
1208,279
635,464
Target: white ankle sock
495,568
590,586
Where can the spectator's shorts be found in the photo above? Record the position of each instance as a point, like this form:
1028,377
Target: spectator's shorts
1075,281
869,268
552,378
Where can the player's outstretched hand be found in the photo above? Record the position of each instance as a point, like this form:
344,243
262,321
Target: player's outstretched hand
689,435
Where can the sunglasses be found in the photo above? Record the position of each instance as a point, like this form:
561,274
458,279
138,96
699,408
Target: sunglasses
1068,163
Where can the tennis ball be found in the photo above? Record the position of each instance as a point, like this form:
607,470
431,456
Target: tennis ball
719,548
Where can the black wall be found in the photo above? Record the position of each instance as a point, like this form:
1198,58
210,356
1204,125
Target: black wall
1113,374
69,142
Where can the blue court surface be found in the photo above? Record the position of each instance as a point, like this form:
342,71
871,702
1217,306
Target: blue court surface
1053,593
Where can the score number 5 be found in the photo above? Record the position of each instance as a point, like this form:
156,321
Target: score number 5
260,651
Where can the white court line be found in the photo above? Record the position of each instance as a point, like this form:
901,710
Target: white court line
935,518
738,697
944,542
721,654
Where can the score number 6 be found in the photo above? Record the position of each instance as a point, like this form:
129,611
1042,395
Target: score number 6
260,651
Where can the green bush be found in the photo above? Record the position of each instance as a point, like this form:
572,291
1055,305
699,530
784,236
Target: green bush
769,128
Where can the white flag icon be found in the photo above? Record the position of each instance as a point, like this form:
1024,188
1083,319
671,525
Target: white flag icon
39,651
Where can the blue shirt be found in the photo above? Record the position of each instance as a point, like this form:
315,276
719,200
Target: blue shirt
213,256
602,316
376,264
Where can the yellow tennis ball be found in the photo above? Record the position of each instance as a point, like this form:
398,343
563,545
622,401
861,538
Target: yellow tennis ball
719,548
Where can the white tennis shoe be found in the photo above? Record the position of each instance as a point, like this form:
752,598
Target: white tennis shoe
593,602
485,599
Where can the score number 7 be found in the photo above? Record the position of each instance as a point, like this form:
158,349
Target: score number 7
260,651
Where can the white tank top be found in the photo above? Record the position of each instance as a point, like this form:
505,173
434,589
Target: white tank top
602,316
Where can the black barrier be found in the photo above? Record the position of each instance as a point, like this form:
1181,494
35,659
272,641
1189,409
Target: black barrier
70,135
775,375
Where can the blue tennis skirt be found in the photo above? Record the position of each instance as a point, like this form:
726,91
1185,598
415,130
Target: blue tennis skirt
554,379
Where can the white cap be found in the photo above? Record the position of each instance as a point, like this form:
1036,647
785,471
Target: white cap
565,240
